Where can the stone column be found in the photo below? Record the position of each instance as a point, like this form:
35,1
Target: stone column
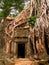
7,48
12,47
26,49
15,49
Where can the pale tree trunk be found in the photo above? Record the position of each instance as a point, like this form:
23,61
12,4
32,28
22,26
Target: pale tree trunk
31,7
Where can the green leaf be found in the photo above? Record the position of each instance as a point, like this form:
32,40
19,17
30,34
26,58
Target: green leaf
32,20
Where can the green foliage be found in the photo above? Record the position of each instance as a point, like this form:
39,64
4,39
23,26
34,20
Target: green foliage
1,14
32,20
6,5
19,4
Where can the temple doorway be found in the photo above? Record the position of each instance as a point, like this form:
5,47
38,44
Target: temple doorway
21,50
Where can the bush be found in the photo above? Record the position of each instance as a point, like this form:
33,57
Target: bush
32,20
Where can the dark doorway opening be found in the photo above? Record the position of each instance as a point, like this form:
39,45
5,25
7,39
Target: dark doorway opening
21,50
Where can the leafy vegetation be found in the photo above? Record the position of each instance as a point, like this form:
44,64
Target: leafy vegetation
6,5
1,14
32,20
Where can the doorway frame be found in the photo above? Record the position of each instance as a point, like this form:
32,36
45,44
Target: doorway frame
17,48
